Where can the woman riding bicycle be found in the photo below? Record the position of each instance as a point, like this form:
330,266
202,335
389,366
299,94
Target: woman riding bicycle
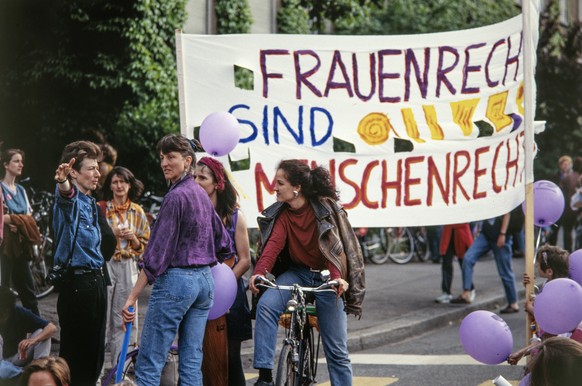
308,231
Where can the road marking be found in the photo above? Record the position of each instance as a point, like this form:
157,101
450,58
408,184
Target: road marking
415,360
356,381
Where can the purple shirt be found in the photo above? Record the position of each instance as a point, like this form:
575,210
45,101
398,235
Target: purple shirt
187,232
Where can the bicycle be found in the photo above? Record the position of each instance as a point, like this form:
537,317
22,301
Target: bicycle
373,243
299,355
406,242
129,367
42,254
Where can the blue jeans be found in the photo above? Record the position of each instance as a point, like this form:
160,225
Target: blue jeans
179,304
502,255
332,320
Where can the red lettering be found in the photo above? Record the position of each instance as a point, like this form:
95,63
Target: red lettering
395,184
261,179
458,174
511,164
478,173
365,179
408,181
496,187
344,178
433,174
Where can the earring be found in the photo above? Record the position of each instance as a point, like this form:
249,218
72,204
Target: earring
295,194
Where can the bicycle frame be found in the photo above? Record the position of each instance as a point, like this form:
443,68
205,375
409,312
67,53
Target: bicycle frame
298,359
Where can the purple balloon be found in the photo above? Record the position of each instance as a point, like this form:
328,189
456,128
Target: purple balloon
525,381
548,203
224,290
486,337
219,133
558,308
576,266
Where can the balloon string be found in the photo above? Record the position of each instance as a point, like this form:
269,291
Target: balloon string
540,230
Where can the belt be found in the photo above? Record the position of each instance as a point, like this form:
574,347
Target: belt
86,271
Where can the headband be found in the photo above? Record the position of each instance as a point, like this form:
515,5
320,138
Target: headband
217,170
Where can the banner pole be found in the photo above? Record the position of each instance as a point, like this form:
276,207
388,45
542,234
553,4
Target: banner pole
529,112
181,88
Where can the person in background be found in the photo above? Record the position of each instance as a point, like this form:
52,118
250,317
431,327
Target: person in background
211,176
21,231
455,240
48,371
132,231
569,185
493,237
308,223
187,238
24,335
433,236
562,178
82,303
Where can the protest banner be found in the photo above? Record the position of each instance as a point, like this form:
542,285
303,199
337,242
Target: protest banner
415,129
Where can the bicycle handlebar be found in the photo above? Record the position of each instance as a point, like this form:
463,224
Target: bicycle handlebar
266,283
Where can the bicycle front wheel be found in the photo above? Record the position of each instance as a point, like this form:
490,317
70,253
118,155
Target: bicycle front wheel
40,266
400,245
286,375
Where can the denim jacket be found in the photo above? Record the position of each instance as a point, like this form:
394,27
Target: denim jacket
337,242
67,213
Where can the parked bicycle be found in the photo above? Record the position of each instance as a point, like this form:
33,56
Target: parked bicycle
42,257
151,205
399,244
299,355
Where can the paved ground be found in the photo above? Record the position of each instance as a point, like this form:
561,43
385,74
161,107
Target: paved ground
399,302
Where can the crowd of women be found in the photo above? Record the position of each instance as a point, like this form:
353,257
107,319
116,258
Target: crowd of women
198,226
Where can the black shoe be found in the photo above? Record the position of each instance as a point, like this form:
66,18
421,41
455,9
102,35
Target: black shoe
263,383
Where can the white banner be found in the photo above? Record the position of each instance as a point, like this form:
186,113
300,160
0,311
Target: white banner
430,126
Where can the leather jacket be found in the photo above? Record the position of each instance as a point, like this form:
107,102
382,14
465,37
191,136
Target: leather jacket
337,242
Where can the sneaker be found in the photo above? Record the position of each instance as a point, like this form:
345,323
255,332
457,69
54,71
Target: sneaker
472,296
444,298
460,300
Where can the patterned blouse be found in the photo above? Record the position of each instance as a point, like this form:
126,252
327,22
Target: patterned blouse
133,217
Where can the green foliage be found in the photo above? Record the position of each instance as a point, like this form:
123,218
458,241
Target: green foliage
418,16
72,66
292,18
559,91
233,16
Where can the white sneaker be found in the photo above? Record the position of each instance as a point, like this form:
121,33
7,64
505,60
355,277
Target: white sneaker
472,295
444,298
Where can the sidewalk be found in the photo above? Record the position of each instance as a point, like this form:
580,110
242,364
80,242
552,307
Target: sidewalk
399,302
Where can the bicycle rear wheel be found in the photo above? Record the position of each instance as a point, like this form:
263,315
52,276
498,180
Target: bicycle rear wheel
400,245
128,369
41,264
421,249
286,375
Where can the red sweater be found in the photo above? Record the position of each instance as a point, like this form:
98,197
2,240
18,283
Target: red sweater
296,229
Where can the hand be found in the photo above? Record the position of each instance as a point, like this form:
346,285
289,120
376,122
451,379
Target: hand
501,241
23,347
127,234
126,315
63,170
515,357
526,279
13,228
342,288
252,285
